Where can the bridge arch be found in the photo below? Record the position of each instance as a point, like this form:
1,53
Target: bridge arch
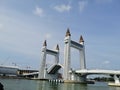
45,52
67,54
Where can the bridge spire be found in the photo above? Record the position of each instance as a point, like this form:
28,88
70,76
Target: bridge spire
68,33
45,43
81,40
57,47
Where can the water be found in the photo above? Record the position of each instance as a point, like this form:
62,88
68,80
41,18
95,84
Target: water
20,84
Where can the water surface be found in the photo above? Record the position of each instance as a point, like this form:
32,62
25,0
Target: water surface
20,84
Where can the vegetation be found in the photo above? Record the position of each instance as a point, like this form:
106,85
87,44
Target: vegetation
105,79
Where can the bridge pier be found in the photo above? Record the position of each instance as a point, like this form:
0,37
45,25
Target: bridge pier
116,78
116,81
76,78
82,79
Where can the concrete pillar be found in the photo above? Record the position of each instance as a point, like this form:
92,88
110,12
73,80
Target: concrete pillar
116,78
82,79
82,55
67,62
43,63
57,56
82,59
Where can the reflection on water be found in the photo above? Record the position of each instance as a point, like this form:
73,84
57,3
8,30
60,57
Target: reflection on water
114,88
43,85
17,84
74,86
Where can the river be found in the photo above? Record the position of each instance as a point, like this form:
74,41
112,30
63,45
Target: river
20,84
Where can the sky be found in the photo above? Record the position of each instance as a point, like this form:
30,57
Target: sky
25,24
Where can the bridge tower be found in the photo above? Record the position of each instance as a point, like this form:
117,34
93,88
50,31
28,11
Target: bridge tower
45,51
67,55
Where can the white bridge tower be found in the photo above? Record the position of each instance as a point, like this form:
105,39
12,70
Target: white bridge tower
43,69
67,55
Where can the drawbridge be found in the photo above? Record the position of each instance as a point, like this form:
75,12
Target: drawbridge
54,69
51,71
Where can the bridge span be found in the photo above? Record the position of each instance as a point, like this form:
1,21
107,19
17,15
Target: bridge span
98,71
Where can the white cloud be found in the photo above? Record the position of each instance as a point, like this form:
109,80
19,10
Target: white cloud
1,25
38,11
104,1
106,62
82,5
48,36
63,8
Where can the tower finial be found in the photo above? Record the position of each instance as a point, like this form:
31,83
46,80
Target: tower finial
45,43
57,47
68,33
81,39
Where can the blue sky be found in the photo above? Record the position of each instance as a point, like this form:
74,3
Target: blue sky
25,24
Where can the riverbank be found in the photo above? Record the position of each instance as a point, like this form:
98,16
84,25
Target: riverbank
114,84
14,77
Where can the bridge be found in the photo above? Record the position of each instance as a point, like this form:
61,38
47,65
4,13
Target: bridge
68,74
78,74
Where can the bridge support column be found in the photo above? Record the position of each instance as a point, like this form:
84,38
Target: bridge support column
82,54
77,78
116,78
42,71
82,79
67,62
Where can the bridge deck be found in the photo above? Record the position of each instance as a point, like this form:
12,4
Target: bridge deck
108,72
54,69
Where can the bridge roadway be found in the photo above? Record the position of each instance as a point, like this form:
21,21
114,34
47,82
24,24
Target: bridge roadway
87,72
98,71
52,70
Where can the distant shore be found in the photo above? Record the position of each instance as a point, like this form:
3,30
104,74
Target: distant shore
14,77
